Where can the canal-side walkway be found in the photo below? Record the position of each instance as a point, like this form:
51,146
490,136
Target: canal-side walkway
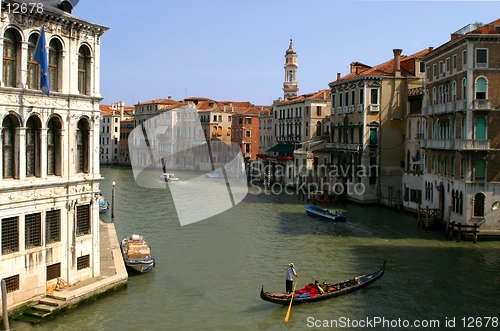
113,276
112,272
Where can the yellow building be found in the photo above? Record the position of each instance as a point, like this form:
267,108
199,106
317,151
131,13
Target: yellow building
367,146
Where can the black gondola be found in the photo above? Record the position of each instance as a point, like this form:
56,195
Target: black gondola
329,290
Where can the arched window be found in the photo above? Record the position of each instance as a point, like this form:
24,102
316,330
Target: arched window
55,63
480,169
453,200
82,146
434,96
11,44
454,91
9,125
480,92
219,131
464,127
480,129
33,156
54,147
83,70
464,89
479,200
33,80
318,129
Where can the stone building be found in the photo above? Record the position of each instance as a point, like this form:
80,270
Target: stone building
460,131
110,134
49,179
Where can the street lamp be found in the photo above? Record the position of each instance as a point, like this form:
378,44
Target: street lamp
113,200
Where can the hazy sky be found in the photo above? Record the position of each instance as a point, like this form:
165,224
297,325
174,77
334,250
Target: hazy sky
234,49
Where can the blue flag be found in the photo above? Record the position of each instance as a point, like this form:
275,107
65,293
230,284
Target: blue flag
42,57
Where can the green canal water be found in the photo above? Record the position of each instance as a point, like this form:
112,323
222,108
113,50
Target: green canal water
209,274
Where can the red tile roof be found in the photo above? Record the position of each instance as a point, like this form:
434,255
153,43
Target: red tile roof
321,94
108,110
387,68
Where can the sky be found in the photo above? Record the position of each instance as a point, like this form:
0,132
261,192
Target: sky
233,50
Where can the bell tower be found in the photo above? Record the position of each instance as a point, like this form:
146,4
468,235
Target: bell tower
290,85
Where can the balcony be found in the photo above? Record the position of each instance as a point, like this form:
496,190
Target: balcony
482,104
373,108
444,108
344,146
456,144
472,144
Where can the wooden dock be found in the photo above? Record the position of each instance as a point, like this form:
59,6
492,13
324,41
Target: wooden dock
458,230
429,217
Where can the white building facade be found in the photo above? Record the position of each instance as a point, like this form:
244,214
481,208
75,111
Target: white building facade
49,179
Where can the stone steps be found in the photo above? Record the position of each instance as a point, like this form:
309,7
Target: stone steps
42,310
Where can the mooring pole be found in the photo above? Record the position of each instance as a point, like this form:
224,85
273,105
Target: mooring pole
113,201
5,313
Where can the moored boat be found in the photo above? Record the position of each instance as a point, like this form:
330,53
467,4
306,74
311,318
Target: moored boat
320,198
103,205
325,214
137,254
311,293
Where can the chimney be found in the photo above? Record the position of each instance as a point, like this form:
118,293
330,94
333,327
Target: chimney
169,97
397,62
338,75
353,67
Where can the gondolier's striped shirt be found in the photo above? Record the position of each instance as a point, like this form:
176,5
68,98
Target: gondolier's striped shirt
290,272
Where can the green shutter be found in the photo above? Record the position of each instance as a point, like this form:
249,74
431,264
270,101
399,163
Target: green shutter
480,169
480,128
373,137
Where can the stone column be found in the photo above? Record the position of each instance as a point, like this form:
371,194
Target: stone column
43,152
20,154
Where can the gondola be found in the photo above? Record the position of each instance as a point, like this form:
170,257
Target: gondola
310,293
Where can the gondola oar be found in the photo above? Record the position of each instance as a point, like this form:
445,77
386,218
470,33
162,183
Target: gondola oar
287,317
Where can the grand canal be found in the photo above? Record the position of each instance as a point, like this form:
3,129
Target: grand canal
208,275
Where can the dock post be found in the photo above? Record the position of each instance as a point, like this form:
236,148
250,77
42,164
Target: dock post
418,214
5,312
459,235
426,216
113,201
475,233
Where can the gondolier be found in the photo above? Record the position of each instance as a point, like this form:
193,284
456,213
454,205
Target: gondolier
310,292
290,272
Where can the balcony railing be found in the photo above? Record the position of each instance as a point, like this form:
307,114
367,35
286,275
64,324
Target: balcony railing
374,108
344,146
482,104
456,144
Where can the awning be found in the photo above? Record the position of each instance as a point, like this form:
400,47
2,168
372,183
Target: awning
161,129
283,148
